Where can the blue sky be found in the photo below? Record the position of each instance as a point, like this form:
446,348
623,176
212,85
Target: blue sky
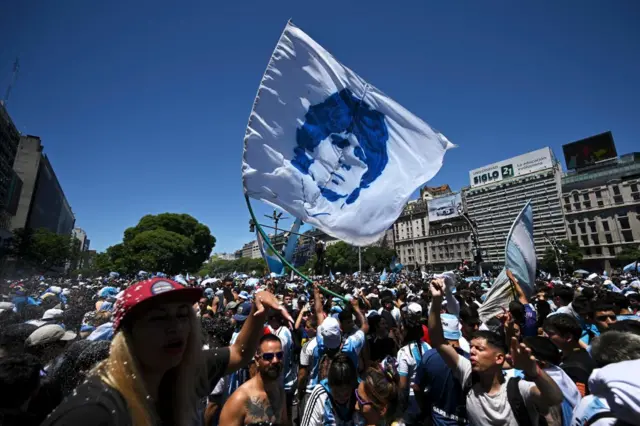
142,105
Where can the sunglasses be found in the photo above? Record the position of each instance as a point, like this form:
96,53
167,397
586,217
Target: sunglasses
361,402
605,317
268,356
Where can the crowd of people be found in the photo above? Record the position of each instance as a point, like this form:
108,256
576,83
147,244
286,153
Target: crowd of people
357,350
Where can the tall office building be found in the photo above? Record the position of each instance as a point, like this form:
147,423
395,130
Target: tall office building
601,199
42,201
430,233
10,183
498,192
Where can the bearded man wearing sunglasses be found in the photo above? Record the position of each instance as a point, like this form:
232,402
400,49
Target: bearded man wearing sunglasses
261,400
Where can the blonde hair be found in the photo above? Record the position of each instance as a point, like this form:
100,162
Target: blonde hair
121,371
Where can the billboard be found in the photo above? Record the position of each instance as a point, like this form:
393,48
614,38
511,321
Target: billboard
588,151
446,207
517,166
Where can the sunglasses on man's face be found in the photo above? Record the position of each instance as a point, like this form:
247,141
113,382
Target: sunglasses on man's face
605,317
268,356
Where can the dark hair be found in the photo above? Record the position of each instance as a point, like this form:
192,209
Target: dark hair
582,306
19,378
469,316
345,315
603,305
543,349
414,332
563,324
619,301
342,372
563,293
8,318
268,338
12,337
31,312
543,310
517,311
493,339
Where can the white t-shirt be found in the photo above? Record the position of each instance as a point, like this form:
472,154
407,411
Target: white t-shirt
395,313
409,356
306,360
485,409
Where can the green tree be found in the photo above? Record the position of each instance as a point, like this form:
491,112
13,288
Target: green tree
627,255
168,242
341,257
309,265
571,257
41,249
378,257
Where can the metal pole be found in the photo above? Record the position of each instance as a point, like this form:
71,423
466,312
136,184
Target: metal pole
281,257
359,260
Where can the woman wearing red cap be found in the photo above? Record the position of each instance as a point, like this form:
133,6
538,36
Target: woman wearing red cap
156,371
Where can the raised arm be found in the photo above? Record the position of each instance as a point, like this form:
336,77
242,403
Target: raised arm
317,303
447,352
244,348
299,319
546,392
361,318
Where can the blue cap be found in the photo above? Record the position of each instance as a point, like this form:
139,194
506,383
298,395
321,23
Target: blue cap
242,312
244,295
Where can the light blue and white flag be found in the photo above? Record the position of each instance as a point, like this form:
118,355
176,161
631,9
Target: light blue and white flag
292,240
180,279
273,261
632,267
329,148
383,276
520,250
331,277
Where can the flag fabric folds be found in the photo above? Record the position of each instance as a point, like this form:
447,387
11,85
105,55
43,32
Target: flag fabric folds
273,262
331,277
383,276
520,250
331,149
292,240
520,259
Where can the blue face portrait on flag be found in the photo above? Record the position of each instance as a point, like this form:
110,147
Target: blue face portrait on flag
342,146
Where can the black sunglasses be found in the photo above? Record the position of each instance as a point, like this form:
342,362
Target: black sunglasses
604,317
268,356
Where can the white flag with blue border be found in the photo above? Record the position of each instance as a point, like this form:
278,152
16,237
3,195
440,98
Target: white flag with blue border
520,250
331,149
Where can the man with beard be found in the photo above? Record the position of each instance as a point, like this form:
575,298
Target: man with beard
261,400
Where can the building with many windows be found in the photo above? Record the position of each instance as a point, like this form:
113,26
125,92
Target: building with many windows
498,192
602,209
430,234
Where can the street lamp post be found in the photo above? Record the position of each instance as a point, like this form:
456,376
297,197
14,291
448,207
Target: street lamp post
475,240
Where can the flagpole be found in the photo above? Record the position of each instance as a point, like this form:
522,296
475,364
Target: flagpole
281,257
359,260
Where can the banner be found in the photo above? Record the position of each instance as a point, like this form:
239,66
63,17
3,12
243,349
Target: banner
445,207
329,148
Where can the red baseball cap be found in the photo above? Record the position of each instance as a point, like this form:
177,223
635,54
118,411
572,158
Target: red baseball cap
155,288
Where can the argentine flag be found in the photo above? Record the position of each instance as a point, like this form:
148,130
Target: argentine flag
331,149
272,260
520,259
520,250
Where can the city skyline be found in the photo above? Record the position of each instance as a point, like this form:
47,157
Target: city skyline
152,121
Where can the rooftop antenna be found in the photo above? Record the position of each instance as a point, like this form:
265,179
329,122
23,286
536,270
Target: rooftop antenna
14,77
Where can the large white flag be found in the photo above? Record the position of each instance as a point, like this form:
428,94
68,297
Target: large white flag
520,250
331,149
